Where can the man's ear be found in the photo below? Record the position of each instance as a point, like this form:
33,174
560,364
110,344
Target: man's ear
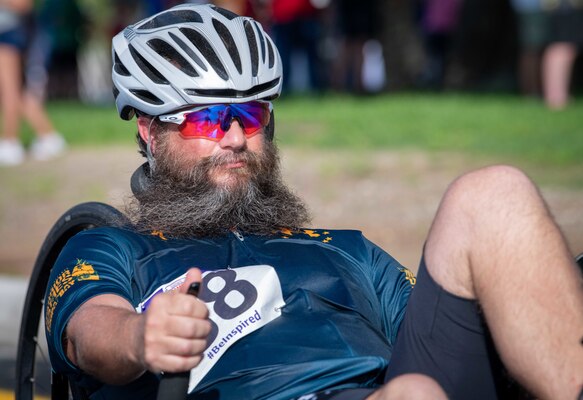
144,129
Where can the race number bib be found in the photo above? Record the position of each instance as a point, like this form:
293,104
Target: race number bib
240,301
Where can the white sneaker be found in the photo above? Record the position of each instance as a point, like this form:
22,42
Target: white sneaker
11,152
48,146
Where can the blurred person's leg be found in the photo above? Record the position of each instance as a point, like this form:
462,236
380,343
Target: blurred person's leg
49,143
437,50
339,68
283,37
494,249
558,63
11,150
33,110
348,68
567,36
529,72
10,89
354,60
533,36
311,40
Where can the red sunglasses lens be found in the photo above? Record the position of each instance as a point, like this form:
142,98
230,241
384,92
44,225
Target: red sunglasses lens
212,122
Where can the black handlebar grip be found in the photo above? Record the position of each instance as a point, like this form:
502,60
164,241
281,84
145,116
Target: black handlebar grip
174,386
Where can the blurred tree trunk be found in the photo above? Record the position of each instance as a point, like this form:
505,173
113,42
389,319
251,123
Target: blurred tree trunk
402,47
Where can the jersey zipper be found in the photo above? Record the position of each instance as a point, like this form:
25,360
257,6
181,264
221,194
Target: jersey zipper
238,235
244,247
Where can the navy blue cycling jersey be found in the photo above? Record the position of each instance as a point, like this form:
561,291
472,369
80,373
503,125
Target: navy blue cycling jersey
340,300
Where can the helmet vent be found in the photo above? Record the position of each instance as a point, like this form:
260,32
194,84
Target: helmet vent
206,50
169,53
231,93
188,50
271,54
115,91
225,13
119,67
146,67
146,96
229,43
252,40
170,18
262,40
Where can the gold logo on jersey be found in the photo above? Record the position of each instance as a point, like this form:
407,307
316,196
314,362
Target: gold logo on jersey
287,233
81,272
160,234
410,276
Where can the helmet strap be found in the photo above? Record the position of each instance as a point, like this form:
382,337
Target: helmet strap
149,155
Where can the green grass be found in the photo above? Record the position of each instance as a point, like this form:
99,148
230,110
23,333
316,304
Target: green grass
498,127
85,125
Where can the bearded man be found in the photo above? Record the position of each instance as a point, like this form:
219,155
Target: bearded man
287,312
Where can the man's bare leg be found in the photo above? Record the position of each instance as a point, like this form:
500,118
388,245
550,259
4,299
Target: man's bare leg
410,387
494,240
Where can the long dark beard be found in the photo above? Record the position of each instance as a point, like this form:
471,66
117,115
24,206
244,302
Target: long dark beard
184,202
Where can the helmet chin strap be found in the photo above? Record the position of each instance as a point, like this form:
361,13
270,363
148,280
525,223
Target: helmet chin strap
149,155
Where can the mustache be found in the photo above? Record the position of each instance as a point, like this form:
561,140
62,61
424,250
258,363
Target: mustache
220,159
254,164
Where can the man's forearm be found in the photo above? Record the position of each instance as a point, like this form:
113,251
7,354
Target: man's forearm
106,341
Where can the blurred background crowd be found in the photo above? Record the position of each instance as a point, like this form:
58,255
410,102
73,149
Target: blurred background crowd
361,47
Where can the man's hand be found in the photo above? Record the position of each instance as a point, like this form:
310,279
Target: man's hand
107,339
175,329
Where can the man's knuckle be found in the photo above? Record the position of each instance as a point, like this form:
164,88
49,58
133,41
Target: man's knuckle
157,301
199,345
185,348
187,306
195,361
203,310
205,327
151,360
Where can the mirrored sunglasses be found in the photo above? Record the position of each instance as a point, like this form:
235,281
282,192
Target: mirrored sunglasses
213,121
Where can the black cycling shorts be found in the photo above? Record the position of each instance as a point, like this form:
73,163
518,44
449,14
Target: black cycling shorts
445,336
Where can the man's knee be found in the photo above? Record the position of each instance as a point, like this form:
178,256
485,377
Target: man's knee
410,387
480,211
491,187
494,197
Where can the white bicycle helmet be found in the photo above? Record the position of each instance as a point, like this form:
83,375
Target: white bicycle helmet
191,55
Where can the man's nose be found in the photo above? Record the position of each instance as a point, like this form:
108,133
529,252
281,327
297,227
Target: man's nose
234,137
